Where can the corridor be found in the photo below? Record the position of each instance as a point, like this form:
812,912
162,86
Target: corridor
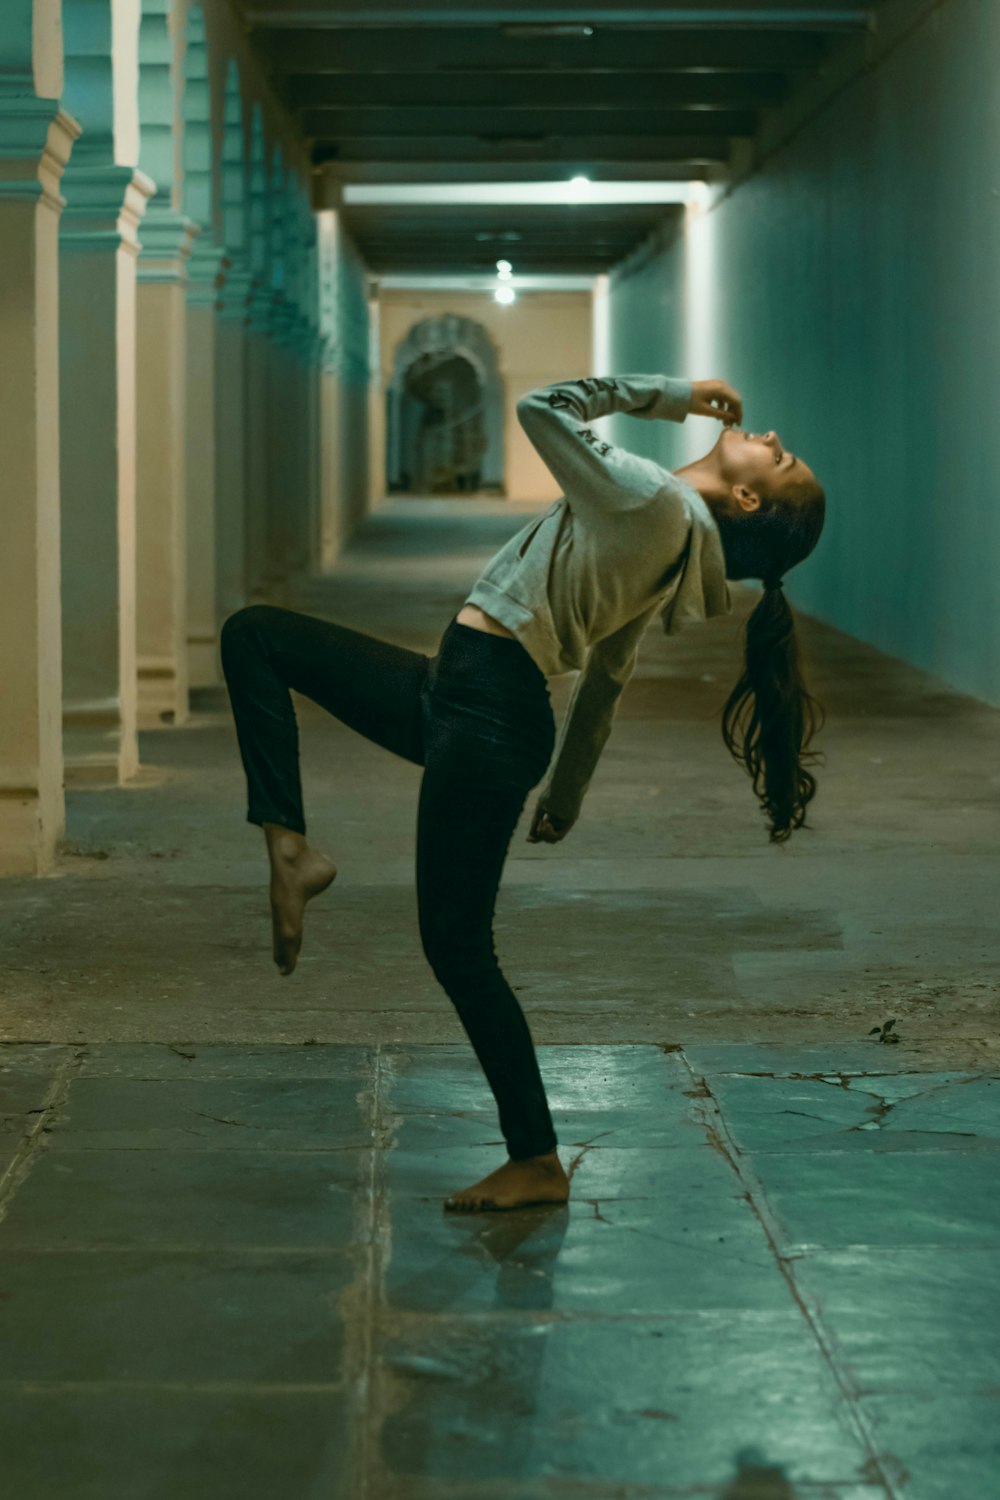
319,304
226,1266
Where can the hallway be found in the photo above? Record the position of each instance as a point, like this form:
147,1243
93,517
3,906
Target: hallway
317,303
226,1267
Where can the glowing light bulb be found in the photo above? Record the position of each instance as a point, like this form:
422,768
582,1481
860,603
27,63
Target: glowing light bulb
505,294
504,268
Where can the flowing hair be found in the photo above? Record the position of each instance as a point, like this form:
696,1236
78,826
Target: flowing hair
770,717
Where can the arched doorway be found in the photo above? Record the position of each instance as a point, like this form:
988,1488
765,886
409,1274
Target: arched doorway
444,418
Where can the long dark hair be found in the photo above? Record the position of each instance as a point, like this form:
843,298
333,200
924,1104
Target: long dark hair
770,716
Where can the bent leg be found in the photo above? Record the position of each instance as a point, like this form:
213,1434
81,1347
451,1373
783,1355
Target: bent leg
464,830
367,684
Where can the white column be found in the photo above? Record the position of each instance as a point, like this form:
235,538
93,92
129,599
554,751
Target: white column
258,431
330,437
98,249
200,464
282,418
36,138
376,407
230,451
161,534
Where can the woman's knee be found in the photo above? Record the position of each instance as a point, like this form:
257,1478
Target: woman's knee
240,629
456,961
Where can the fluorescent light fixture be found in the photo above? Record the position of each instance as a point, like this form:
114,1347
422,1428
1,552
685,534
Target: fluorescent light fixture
531,30
487,194
505,294
482,281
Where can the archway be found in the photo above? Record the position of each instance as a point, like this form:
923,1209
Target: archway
441,424
445,410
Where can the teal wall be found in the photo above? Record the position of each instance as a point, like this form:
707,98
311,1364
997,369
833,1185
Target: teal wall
856,305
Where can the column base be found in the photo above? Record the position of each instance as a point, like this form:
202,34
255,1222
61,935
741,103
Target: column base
203,661
97,749
163,695
26,848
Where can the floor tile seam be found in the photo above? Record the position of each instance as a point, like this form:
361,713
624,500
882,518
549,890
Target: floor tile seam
719,1136
34,1142
801,1249
358,1304
715,1318
189,1249
70,1148
832,1076
579,1489
989,1149
129,1383
200,1078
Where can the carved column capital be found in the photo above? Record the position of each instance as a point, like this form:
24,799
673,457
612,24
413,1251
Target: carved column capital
104,206
167,237
36,138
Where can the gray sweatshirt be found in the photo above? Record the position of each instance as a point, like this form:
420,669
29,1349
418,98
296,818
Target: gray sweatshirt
579,584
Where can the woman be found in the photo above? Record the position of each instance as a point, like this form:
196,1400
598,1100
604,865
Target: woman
575,588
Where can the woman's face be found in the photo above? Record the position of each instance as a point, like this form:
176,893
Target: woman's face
759,462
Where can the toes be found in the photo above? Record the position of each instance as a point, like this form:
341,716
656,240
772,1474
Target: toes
469,1205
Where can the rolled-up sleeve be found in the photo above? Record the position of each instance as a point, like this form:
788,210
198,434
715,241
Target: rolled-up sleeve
591,471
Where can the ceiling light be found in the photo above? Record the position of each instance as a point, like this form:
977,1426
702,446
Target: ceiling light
579,188
529,30
505,294
492,194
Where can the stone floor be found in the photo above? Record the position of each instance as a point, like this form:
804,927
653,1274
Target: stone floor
224,1266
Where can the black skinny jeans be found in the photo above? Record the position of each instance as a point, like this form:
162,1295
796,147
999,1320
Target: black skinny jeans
477,717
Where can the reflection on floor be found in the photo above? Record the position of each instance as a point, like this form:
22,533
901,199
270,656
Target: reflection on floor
225,1271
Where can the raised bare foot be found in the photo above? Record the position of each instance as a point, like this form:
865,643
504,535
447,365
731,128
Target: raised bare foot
298,872
539,1179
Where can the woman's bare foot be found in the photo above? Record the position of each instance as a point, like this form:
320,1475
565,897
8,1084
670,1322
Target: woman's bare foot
539,1179
298,872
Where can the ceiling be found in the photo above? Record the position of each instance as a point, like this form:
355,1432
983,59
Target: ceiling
403,92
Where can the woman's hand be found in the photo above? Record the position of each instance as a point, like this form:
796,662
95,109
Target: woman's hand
714,398
546,828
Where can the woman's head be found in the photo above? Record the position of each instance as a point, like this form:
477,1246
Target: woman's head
769,508
768,505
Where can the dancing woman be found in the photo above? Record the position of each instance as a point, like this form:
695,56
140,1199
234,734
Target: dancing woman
575,588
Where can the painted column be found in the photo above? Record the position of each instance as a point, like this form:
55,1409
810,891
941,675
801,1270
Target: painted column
283,417
231,375
36,138
313,355
332,520
258,362
200,463
300,426
106,199
98,250
376,406
161,533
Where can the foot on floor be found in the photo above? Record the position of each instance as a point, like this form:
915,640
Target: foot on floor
517,1184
